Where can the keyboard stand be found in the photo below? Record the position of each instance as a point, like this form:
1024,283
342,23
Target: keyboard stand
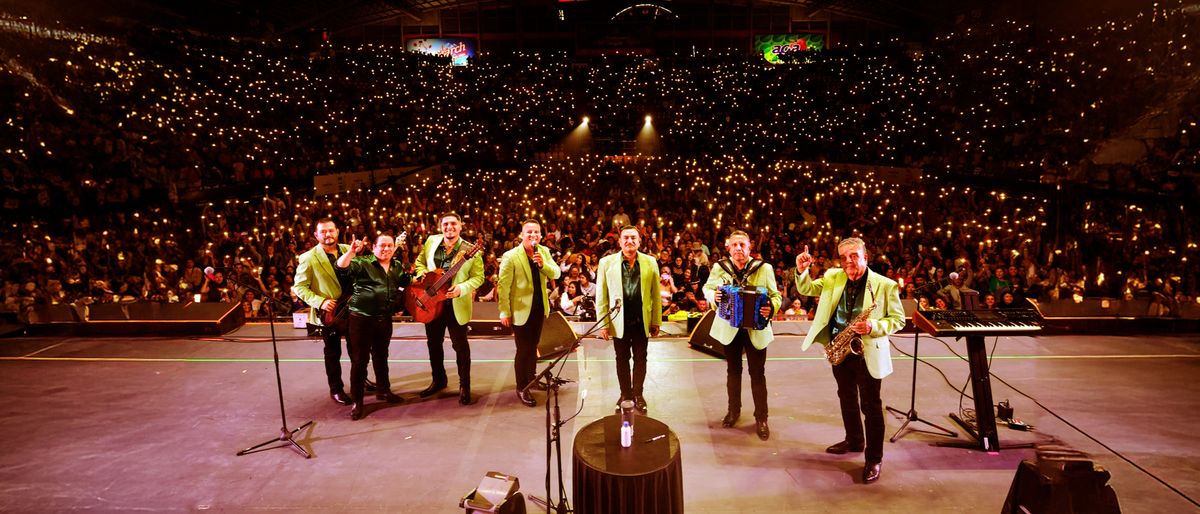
983,431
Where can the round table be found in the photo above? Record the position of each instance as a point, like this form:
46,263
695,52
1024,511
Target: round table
646,478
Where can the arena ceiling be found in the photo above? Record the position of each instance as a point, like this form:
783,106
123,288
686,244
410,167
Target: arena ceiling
281,17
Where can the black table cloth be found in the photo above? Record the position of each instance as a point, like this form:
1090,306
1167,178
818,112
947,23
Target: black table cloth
646,478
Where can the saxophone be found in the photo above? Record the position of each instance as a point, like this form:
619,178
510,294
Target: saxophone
848,341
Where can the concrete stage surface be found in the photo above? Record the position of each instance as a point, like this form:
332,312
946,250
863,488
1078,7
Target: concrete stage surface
153,424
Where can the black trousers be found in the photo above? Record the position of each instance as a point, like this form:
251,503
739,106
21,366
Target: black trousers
333,360
435,335
858,390
757,360
368,341
527,337
634,345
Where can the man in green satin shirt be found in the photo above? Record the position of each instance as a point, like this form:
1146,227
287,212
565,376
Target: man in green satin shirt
376,280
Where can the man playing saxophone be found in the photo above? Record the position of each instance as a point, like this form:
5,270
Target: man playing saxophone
846,293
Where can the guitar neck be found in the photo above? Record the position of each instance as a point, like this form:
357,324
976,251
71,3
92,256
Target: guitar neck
453,270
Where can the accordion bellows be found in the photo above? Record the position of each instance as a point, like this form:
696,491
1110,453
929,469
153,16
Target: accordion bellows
742,306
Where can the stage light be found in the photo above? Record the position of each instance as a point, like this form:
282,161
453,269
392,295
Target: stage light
586,120
647,119
497,493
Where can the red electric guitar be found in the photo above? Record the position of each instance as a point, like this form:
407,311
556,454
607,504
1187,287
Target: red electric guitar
424,299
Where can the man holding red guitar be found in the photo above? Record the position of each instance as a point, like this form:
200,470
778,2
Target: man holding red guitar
449,270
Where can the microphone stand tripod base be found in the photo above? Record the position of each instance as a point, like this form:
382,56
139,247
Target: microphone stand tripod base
912,416
289,437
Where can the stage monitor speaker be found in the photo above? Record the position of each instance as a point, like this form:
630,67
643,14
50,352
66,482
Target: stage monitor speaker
107,312
497,493
485,320
700,340
55,313
557,336
1061,481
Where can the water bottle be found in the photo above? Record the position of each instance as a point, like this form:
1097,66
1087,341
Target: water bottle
626,434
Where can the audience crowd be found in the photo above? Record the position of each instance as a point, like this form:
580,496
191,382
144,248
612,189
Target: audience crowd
132,163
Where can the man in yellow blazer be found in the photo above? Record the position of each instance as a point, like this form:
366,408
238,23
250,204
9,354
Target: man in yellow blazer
740,269
523,301
317,285
439,252
845,292
629,279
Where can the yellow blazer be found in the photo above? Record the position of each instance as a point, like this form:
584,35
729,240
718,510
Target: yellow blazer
514,287
609,289
887,318
468,278
316,281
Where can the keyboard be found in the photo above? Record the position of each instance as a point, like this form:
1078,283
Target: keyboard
980,323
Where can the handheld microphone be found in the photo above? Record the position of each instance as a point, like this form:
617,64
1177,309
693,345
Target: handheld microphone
617,306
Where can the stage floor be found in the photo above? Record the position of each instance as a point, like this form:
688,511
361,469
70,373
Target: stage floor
153,424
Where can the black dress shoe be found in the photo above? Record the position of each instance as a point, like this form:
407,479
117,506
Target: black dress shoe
389,397
341,397
639,403
370,386
357,412
432,390
843,447
526,398
730,419
464,396
763,431
871,472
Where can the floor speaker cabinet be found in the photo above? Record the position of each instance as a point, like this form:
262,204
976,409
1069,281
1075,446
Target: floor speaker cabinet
138,319
1064,483
485,321
557,336
55,313
700,340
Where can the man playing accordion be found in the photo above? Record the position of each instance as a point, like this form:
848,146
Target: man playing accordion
750,275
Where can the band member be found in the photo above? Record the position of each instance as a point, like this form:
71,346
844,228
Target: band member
844,293
523,301
440,252
317,285
629,279
376,280
740,269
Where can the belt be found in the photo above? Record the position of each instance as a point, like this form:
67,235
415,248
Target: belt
381,317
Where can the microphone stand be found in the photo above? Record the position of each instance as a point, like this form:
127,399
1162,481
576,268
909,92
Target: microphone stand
554,424
287,437
911,415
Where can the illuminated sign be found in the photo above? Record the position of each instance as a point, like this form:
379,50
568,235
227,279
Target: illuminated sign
775,46
457,49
